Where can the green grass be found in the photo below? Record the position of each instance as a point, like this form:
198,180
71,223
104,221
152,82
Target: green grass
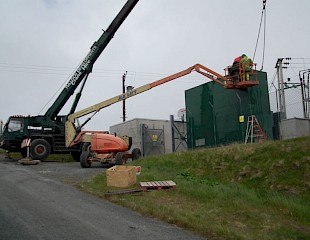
221,211
258,191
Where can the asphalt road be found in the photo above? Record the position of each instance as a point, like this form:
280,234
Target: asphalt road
39,202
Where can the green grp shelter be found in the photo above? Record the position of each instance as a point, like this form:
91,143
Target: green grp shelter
218,116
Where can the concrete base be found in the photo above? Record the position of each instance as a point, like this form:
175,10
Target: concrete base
28,161
294,127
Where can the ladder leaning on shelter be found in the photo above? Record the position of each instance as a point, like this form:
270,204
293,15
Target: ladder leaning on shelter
254,131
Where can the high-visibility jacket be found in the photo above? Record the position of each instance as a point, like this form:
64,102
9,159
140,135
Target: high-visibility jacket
246,63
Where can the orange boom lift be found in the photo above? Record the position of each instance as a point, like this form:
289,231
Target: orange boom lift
106,148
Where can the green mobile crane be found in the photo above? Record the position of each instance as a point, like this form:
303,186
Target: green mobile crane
46,133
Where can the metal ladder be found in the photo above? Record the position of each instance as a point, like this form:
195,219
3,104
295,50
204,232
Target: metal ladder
253,131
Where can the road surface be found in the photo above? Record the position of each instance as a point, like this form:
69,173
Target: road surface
36,202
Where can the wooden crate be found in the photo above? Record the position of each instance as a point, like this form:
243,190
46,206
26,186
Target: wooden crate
121,176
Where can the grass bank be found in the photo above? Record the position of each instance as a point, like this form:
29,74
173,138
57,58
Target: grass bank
258,191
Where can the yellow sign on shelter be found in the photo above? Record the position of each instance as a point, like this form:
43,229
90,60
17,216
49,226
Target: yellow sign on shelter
154,138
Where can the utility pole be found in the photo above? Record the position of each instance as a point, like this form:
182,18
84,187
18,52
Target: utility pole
279,67
1,126
124,103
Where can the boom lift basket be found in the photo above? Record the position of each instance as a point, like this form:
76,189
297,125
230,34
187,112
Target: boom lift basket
240,77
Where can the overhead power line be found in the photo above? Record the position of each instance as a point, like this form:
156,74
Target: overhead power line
263,16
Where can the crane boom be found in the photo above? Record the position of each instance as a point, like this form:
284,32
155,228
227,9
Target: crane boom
71,133
87,64
47,132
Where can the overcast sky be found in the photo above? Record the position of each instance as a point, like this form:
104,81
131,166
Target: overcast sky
43,41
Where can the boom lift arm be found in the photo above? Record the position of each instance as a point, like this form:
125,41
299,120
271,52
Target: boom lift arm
74,136
86,66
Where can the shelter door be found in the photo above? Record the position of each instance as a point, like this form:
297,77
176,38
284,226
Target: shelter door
153,141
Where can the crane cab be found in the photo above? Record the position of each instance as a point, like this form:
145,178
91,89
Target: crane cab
239,78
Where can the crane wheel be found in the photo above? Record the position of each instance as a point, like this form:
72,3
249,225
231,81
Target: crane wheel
40,149
85,163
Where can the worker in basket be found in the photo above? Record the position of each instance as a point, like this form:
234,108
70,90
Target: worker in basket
241,68
234,69
246,65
